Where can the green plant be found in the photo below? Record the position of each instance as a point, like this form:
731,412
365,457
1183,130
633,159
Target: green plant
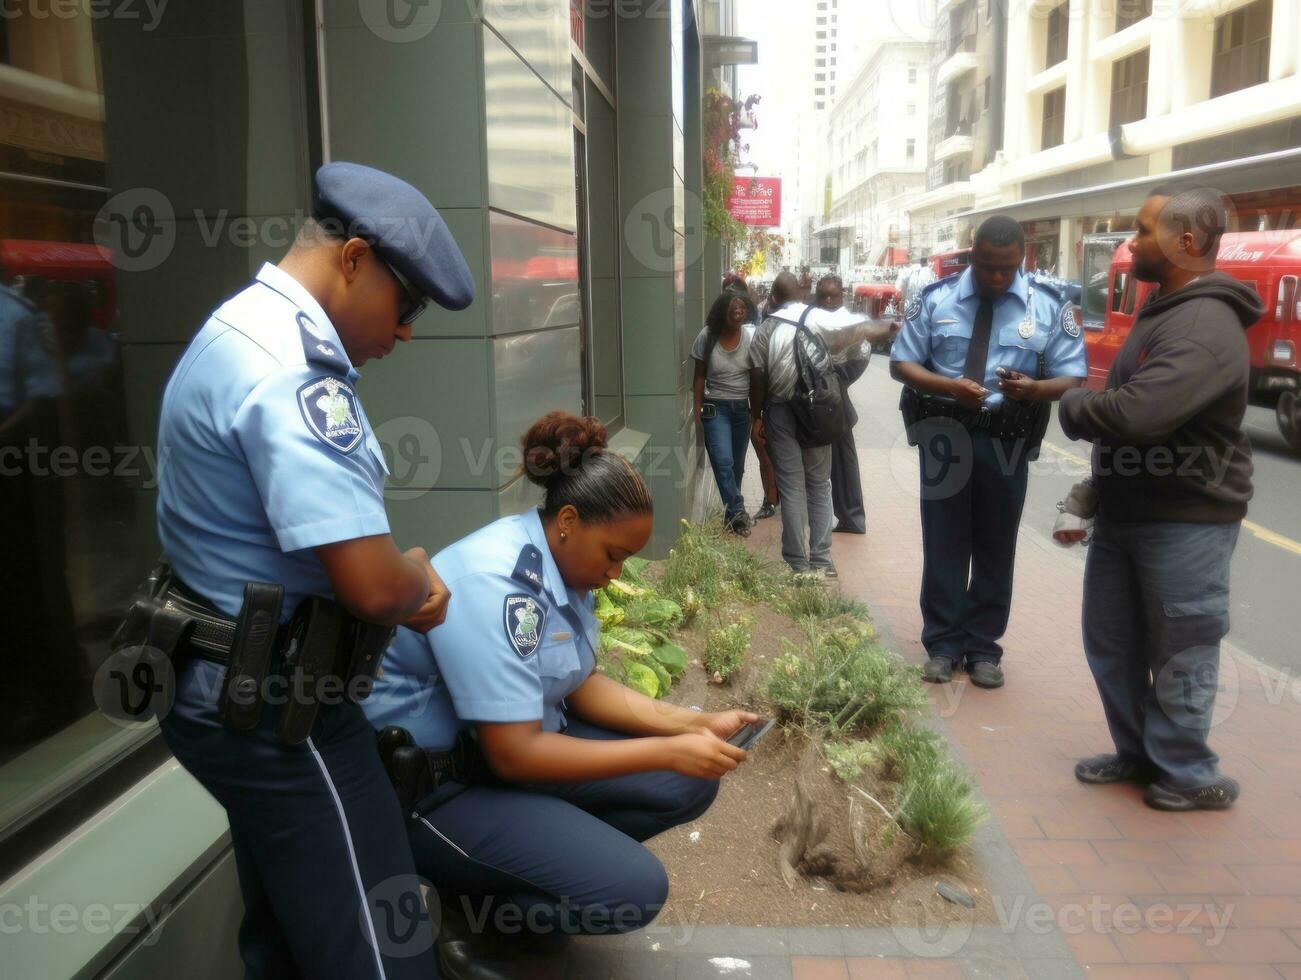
722,118
934,802
849,760
725,649
842,689
706,566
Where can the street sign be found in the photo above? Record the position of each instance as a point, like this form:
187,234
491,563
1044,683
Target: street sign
756,201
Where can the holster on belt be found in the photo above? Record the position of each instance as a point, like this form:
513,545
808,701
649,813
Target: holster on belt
327,646
243,690
416,772
149,622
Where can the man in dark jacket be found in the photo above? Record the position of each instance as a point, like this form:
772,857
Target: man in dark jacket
1172,467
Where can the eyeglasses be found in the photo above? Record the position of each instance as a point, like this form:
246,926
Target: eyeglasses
415,304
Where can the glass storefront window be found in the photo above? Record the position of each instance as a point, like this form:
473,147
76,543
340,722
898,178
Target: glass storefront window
129,147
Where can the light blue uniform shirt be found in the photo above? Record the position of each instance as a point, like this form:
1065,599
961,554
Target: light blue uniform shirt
515,644
27,369
938,326
264,451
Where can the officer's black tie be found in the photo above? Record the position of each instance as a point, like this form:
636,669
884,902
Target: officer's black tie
978,352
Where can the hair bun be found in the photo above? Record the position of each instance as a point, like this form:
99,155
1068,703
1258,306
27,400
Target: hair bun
556,445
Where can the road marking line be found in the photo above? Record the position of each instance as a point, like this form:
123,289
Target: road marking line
1263,533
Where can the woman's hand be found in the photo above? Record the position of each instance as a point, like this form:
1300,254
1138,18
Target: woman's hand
724,723
434,610
702,755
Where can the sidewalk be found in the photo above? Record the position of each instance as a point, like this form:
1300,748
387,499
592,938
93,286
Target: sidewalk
1088,881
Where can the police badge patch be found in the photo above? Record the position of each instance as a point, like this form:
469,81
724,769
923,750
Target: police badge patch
329,408
912,309
523,618
1071,316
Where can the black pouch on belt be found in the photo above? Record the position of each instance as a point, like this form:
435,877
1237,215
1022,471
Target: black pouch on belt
243,690
314,636
361,649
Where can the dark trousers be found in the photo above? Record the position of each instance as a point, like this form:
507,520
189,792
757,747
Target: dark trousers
846,484
1156,606
727,437
328,881
973,490
555,858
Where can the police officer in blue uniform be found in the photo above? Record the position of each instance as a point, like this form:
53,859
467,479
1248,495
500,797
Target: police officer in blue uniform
981,354
271,510
575,769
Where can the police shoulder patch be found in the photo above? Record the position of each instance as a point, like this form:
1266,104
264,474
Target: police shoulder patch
523,619
329,407
1071,317
912,309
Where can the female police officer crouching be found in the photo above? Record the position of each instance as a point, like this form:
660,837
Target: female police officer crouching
579,769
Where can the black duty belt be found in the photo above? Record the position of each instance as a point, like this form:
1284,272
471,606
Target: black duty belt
212,635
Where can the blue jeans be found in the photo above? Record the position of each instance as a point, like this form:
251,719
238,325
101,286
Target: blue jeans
727,437
1156,606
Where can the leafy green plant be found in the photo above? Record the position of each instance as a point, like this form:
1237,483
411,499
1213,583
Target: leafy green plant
725,649
840,688
849,760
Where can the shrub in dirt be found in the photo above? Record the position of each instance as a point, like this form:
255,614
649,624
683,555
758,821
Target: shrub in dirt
850,691
849,760
725,649
934,802
707,565
808,597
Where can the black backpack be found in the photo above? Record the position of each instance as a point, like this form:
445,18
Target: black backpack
819,400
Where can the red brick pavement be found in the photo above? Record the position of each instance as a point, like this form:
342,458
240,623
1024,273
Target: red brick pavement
1136,892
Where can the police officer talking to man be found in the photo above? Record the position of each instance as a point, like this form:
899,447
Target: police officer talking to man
271,510
981,353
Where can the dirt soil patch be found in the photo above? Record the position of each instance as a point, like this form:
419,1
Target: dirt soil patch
726,868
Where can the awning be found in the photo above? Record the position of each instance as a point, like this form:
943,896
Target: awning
832,227
1276,169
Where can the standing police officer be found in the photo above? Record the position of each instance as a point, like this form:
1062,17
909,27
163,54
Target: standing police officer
271,474
981,354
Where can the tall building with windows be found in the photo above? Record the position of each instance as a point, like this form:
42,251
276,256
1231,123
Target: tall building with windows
1104,100
968,87
878,136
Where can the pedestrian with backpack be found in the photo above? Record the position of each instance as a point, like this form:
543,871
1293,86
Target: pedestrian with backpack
800,407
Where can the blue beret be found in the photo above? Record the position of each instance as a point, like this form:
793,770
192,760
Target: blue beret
400,224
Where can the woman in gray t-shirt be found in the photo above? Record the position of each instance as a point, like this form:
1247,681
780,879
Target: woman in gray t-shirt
722,397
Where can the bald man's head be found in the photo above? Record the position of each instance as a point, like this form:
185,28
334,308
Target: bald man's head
786,288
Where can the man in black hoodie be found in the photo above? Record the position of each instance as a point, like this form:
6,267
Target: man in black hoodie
1172,468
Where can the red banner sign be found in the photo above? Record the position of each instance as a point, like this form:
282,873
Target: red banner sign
756,201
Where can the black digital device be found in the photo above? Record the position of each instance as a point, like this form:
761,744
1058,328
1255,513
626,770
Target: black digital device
745,736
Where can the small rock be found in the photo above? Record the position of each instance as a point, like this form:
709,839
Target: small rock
718,677
954,894
694,837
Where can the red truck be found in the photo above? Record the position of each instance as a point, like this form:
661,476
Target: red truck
1267,261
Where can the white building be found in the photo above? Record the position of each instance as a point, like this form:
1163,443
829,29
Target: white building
1106,98
877,154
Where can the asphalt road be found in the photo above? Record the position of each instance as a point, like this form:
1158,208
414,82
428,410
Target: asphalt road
1266,587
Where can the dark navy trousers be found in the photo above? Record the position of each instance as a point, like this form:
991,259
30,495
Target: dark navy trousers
561,858
1156,606
973,491
325,869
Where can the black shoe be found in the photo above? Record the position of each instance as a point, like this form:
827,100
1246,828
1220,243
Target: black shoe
767,510
462,955
984,674
1111,768
938,670
1217,796
843,528
828,571
739,525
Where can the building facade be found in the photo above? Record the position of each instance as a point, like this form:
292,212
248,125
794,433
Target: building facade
968,85
154,157
1129,93
878,139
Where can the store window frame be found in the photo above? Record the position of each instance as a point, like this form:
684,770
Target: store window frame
1053,113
